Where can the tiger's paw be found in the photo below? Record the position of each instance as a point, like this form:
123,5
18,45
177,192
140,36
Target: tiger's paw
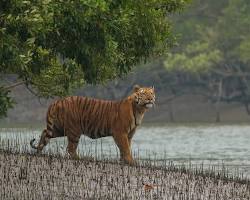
72,156
76,157
130,162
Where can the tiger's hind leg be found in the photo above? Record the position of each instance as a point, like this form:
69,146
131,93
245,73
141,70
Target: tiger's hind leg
45,137
44,140
71,148
73,141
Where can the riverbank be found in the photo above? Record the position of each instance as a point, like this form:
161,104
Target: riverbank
27,176
187,108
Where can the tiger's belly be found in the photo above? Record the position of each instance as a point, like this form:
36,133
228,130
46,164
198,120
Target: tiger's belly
95,132
96,136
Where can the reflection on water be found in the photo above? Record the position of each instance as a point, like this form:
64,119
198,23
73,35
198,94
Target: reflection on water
208,144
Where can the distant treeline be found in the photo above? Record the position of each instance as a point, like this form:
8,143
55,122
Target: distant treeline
212,58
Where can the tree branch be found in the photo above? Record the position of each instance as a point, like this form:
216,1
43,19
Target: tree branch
14,85
228,74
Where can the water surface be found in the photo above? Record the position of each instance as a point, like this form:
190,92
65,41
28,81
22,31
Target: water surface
227,145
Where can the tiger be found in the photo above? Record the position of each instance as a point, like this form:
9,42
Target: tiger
76,115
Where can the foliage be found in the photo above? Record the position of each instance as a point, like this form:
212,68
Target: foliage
56,45
202,58
5,102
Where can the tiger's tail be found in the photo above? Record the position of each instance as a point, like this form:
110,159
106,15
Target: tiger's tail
32,144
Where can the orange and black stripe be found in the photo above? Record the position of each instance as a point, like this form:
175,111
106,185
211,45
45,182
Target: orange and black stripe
82,115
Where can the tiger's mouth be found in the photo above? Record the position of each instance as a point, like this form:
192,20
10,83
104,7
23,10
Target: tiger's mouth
149,105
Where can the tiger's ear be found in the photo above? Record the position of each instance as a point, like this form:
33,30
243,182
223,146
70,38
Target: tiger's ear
136,88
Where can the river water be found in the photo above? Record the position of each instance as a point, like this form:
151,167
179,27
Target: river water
209,144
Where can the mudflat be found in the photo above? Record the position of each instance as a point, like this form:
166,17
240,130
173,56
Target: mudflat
27,176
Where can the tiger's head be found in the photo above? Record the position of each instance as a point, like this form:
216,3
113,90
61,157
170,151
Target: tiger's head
144,96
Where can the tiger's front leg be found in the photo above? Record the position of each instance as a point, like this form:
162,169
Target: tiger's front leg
122,142
130,136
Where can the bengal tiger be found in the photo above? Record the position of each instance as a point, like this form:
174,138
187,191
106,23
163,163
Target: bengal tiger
95,118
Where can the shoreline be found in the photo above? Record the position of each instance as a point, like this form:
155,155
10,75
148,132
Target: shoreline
144,124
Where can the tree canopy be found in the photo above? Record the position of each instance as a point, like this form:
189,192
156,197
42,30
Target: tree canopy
56,45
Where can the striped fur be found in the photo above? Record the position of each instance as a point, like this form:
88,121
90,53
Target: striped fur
95,118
